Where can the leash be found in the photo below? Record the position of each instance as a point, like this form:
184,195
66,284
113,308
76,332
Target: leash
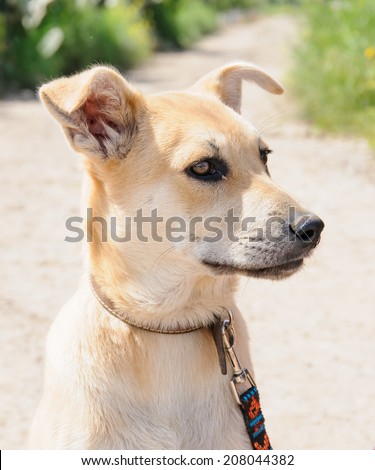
224,336
248,401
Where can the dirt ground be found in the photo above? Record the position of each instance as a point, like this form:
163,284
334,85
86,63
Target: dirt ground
313,336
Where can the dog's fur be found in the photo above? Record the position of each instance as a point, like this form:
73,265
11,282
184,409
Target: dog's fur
112,386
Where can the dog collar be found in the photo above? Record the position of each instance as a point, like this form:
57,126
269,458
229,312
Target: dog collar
224,336
108,305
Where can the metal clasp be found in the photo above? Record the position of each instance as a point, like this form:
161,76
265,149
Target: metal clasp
240,375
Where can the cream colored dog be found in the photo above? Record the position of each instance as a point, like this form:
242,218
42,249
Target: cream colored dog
109,385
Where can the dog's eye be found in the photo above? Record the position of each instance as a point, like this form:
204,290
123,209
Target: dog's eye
211,169
202,168
264,154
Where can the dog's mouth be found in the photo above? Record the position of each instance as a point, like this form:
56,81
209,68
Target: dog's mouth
279,271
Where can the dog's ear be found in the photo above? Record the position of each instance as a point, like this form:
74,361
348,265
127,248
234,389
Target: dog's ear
226,83
98,110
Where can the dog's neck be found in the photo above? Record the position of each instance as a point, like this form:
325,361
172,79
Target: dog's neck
162,290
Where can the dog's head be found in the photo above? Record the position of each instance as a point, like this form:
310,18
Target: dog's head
187,170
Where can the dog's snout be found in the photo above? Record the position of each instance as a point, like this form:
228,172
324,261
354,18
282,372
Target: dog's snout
307,228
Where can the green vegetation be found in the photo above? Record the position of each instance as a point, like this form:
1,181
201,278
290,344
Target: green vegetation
179,23
63,36
334,75
42,39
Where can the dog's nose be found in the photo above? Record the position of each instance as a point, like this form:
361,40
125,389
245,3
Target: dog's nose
307,228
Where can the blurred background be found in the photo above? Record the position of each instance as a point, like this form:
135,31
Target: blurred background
335,61
313,336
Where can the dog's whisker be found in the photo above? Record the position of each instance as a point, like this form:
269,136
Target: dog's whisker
232,289
159,260
268,129
270,119
244,288
222,291
213,288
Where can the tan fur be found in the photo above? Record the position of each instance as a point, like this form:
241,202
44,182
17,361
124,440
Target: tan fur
108,385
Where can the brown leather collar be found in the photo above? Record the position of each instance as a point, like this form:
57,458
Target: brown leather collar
107,303
215,325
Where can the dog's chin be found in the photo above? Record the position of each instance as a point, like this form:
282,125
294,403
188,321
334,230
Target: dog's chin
277,272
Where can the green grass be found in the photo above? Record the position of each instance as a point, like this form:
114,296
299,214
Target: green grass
334,74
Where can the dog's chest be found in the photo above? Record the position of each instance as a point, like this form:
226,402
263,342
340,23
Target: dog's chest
170,393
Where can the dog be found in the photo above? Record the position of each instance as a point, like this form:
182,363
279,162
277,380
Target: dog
114,377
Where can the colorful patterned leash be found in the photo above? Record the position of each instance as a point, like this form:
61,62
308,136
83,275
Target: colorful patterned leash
248,401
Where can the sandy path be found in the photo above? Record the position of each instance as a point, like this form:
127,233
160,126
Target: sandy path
313,337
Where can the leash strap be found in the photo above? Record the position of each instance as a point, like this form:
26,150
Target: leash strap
248,401
254,419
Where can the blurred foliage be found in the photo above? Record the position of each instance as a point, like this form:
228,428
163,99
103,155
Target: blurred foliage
42,39
335,67
60,37
179,23
223,5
